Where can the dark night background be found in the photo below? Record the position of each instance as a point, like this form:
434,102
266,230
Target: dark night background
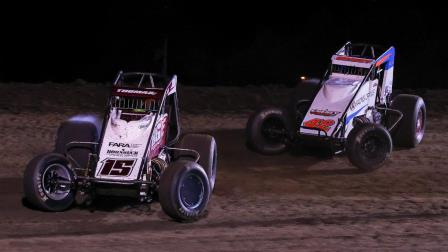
216,43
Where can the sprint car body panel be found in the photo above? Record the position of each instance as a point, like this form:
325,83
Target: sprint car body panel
329,104
352,87
135,132
125,142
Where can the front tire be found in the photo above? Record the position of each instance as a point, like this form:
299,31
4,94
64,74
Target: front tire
48,183
368,146
184,191
267,131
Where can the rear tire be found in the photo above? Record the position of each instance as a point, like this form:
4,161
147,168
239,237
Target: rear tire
368,146
205,145
82,128
40,183
410,130
301,100
268,130
184,191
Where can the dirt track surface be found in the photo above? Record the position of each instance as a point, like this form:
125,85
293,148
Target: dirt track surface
278,203
284,202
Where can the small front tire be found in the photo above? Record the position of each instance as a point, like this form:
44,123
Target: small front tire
368,146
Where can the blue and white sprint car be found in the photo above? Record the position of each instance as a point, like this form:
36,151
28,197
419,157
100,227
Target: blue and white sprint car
351,109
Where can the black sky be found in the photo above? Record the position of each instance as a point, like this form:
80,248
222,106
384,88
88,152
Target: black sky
215,43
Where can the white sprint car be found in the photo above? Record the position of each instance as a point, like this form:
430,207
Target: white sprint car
350,109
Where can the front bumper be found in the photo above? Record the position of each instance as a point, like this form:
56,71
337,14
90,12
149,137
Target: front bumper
321,140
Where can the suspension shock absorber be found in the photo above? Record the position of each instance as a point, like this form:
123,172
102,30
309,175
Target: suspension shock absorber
158,166
155,168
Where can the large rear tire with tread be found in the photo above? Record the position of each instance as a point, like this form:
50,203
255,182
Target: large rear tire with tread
268,131
368,146
410,130
184,190
81,128
205,145
301,100
48,183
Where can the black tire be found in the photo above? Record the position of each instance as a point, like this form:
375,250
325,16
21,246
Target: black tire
184,190
368,146
38,187
410,130
205,145
268,131
301,100
83,128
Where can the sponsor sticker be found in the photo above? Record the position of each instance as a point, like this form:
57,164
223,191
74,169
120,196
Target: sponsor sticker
124,145
318,123
324,112
362,99
130,91
122,153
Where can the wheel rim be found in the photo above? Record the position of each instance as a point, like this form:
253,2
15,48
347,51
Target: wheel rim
192,191
419,125
273,130
56,181
373,147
